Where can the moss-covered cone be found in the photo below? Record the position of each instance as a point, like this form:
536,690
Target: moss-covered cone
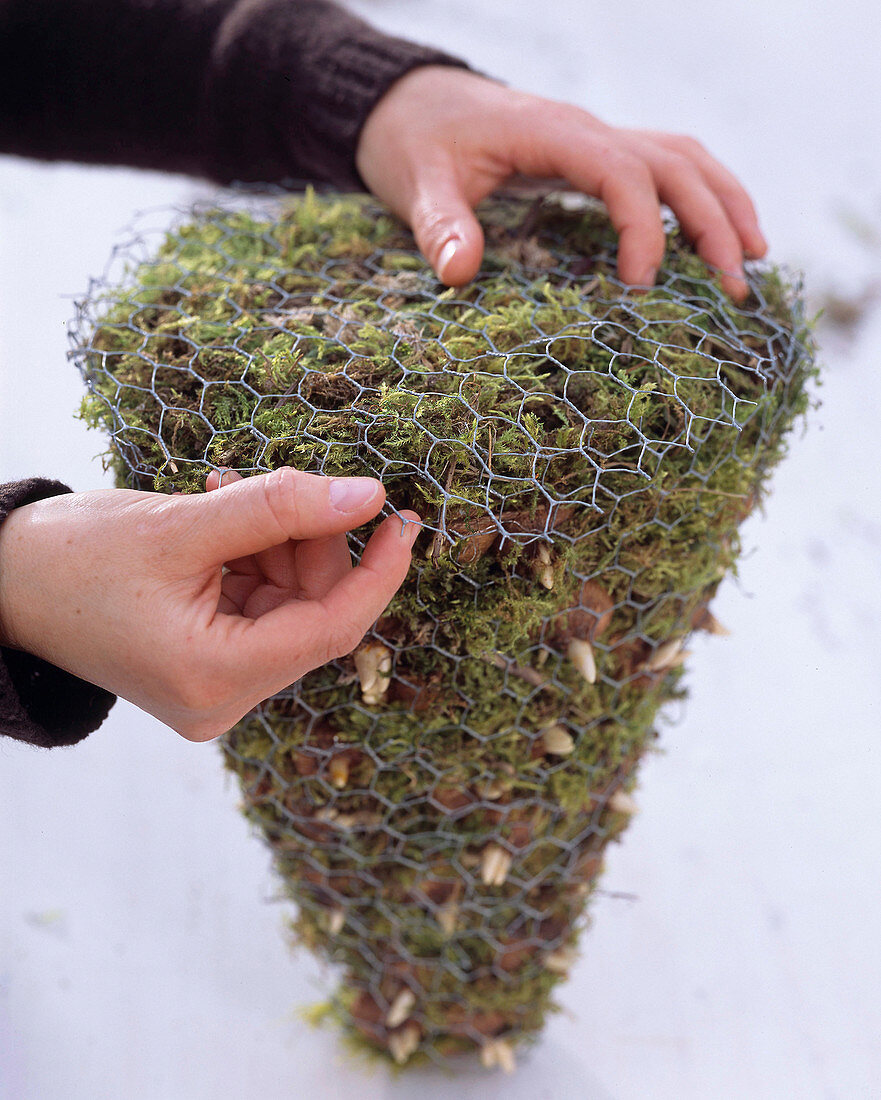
438,803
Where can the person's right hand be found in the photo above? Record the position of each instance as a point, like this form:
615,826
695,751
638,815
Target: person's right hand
198,607
441,139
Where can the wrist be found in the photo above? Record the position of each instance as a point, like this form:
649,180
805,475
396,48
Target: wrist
11,580
15,499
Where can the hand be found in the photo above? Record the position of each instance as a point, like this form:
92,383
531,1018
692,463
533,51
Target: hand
441,139
126,589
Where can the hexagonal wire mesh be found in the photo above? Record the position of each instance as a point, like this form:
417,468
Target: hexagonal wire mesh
582,454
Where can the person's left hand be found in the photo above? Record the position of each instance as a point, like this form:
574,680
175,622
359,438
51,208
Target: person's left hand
197,607
441,139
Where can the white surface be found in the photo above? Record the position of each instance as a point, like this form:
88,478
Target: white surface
138,954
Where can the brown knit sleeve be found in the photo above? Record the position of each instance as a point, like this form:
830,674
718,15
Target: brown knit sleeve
39,702
267,90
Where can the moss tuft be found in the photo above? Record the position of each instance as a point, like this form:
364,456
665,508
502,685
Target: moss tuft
582,454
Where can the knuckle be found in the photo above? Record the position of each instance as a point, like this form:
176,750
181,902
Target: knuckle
186,729
201,691
280,499
199,731
534,118
620,161
195,698
550,113
676,163
676,170
345,636
199,706
688,146
623,165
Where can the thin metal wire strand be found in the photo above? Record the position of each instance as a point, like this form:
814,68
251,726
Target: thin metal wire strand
496,870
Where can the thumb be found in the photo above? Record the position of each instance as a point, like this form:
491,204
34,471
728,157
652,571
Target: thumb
444,225
266,510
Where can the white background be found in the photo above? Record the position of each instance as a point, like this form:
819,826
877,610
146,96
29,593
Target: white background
138,954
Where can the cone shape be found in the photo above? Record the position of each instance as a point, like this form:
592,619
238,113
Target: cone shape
438,803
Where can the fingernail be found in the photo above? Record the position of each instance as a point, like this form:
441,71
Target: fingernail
447,253
347,494
649,277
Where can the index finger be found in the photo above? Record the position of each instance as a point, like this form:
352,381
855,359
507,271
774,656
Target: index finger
300,635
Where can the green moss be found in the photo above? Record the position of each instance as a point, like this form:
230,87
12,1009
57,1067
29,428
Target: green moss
582,456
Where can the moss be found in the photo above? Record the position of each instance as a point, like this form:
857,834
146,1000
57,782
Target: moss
582,456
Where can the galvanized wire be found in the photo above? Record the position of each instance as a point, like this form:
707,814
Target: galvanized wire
581,453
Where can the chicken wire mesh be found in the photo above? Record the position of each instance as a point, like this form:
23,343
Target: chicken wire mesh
582,454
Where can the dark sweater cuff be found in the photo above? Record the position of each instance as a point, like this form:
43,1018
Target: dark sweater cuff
40,703
289,93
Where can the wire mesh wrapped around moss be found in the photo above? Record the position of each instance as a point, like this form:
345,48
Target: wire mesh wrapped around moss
438,803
